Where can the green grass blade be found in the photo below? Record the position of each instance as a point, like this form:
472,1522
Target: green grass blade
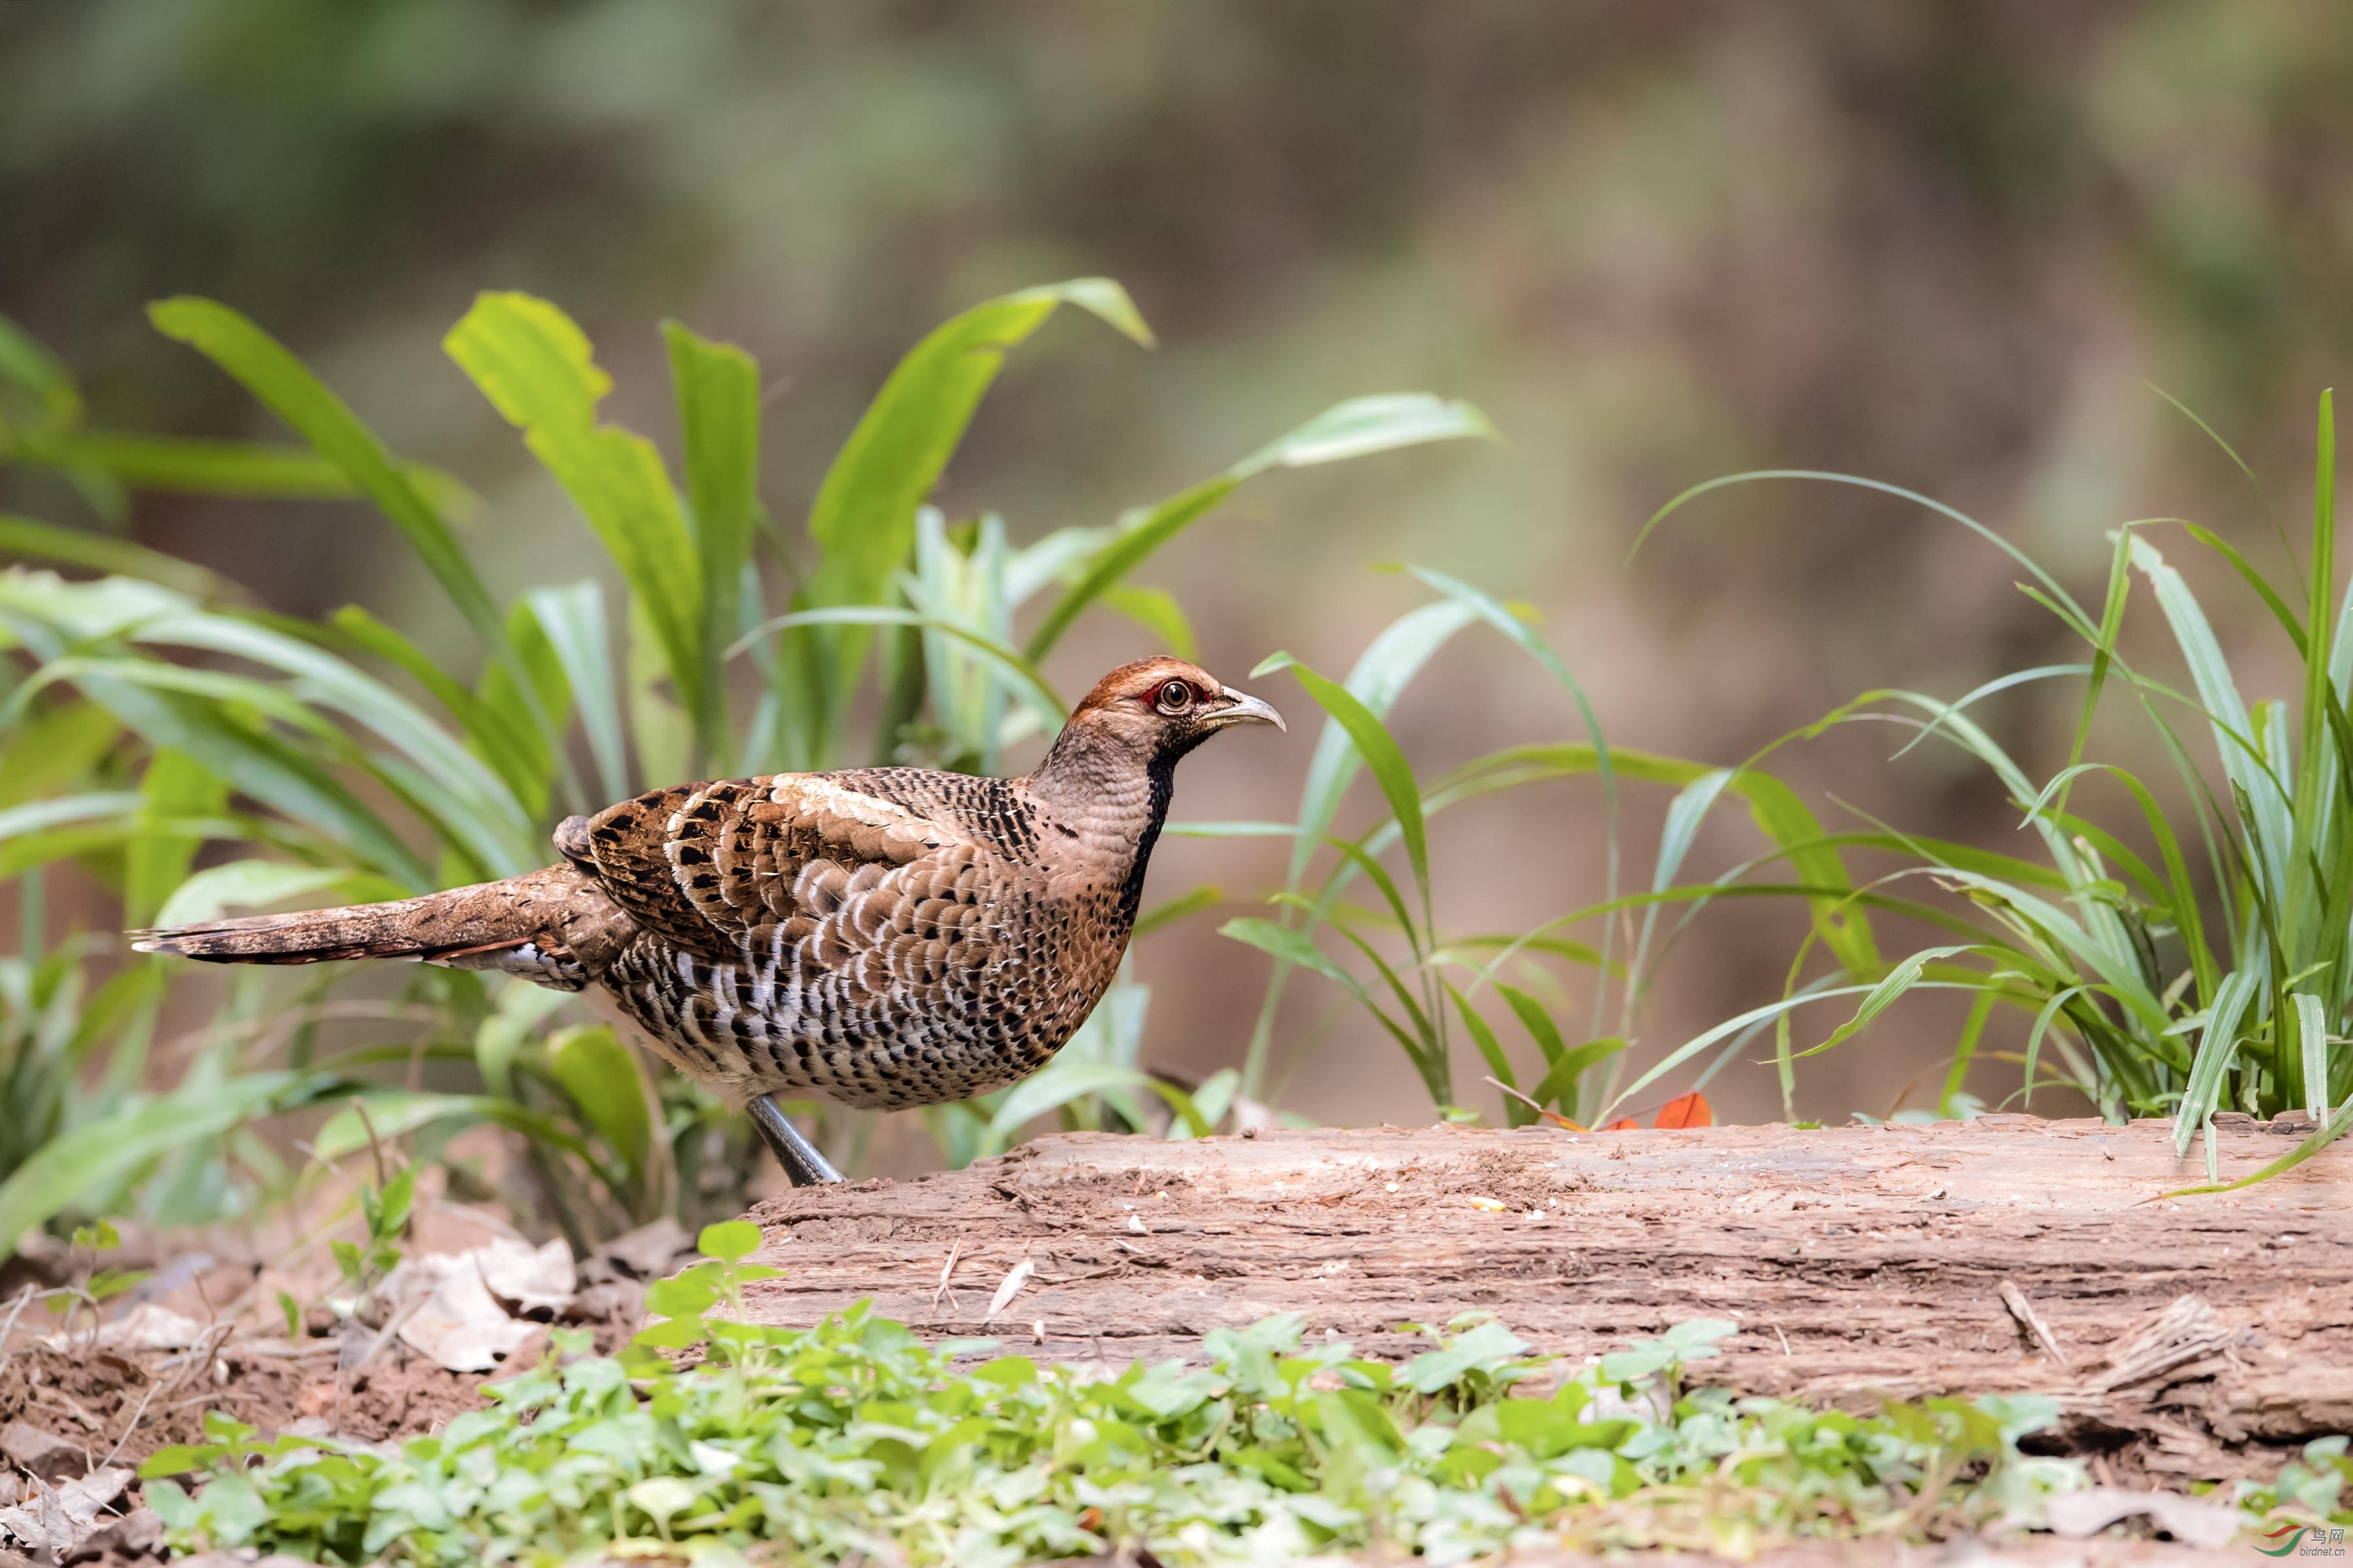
2312,1040
1537,1022
494,737
2322,1137
1362,426
1559,1085
29,540
2074,612
1356,429
2218,1047
1065,1081
1903,977
2242,758
1515,1114
2253,579
248,470
1382,672
1207,896
1382,756
1157,611
1127,550
1028,681
287,387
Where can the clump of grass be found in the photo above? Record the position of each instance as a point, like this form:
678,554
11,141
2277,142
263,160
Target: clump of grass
853,1441
1418,982
2187,951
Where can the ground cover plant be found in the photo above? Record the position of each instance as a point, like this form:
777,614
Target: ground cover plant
854,1440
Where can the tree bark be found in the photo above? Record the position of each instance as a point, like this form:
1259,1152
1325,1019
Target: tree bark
2188,1337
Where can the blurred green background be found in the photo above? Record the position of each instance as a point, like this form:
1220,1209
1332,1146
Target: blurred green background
1949,247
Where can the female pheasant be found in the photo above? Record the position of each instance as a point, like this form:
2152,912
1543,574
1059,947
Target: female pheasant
884,937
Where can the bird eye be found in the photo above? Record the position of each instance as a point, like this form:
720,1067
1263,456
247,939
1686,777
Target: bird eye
1176,696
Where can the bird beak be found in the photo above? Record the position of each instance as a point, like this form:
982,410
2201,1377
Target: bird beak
1246,710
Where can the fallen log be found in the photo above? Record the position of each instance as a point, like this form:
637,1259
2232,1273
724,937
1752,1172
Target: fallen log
2187,1338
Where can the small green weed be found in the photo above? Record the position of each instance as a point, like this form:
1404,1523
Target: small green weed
854,1440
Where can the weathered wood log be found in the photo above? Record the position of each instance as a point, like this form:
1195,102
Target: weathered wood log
2006,1255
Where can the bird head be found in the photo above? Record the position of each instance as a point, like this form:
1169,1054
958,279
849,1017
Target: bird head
1156,710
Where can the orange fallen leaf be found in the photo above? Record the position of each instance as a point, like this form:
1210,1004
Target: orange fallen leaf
1623,1124
1686,1110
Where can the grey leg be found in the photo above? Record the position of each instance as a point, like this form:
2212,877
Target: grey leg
804,1166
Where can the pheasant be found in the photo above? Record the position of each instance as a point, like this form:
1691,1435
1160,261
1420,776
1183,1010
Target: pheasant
882,936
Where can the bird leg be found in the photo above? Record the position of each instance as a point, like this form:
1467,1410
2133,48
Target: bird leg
804,1166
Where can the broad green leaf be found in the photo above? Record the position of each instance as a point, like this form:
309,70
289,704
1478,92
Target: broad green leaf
864,520
730,1241
155,861
1065,1081
1157,611
289,389
536,368
575,621
602,1076
718,389
26,361
98,1154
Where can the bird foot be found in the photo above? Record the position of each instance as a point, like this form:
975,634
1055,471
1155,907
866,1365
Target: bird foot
804,1166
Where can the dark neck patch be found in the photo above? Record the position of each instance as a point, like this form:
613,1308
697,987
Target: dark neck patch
1163,775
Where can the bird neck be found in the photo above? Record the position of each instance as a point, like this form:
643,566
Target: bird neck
1112,799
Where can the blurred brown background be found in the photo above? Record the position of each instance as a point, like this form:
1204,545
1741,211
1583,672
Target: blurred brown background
1947,245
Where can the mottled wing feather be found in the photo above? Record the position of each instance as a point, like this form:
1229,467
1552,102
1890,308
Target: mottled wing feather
704,866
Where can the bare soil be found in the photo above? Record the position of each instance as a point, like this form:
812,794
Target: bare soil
2187,1339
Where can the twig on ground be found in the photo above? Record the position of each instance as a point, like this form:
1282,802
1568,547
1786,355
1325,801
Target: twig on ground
1555,1116
947,1269
2023,1310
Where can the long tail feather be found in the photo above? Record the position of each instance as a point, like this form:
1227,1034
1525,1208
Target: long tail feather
554,926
